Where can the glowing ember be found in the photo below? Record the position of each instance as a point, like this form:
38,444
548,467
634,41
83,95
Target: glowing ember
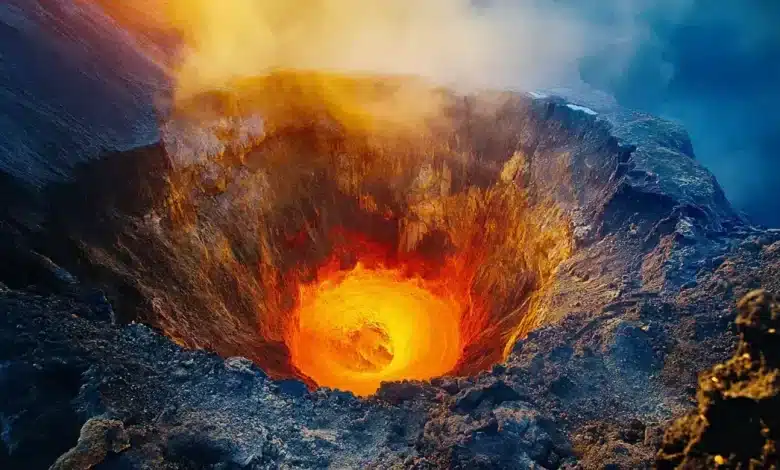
358,328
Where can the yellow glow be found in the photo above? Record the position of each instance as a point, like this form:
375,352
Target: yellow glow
239,38
356,329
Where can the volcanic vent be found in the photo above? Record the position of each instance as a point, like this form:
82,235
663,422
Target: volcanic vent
348,231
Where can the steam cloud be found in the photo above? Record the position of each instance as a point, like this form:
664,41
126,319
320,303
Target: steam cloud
714,69
454,42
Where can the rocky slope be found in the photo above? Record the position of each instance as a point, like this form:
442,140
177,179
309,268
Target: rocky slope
73,86
593,391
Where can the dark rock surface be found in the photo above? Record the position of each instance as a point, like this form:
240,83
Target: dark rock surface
144,400
644,303
72,85
592,391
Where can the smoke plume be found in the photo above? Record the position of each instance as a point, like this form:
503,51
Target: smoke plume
454,42
713,69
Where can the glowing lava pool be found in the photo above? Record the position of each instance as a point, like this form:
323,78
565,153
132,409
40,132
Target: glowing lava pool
364,326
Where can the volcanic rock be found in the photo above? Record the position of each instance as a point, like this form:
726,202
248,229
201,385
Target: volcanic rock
98,438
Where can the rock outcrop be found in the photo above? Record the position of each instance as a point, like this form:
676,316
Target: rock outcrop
736,422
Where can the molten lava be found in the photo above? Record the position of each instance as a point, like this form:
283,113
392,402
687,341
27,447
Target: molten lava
357,328
373,314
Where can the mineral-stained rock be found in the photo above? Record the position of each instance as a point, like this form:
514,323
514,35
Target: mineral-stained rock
737,421
98,438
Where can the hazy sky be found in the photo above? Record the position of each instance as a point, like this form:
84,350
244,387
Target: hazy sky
716,69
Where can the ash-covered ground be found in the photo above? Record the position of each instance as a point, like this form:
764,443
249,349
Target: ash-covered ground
646,301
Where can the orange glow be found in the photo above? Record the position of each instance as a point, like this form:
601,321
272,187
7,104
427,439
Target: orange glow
358,328
389,317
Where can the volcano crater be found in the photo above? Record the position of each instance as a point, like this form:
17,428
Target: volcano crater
547,277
